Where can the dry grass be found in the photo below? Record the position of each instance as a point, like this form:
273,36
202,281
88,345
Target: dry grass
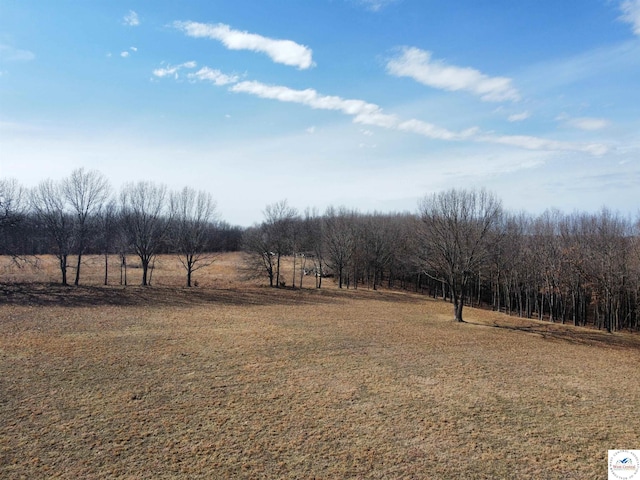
232,380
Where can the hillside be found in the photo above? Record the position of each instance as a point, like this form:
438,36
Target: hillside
242,381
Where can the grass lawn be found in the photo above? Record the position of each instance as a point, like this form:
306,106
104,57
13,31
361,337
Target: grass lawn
235,380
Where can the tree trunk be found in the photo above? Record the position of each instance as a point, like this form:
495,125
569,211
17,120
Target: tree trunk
63,268
77,280
458,303
106,268
293,284
145,269
278,271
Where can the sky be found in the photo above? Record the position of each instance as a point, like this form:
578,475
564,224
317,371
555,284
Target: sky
367,104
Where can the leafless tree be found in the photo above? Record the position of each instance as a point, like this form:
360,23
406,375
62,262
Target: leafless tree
193,214
456,225
314,226
86,192
108,225
12,202
339,241
278,230
49,204
259,258
13,212
145,218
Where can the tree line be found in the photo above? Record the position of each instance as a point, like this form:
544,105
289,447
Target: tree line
460,245
81,214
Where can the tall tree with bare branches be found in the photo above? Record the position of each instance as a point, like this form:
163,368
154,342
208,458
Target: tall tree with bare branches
50,206
456,225
193,214
145,219
86,192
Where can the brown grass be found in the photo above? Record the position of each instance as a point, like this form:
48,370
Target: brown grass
234,380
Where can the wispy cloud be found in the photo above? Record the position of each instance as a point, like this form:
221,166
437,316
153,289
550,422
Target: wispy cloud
131,19
631,14
214,76
418,64
376,5
172,70
286,52
588,124
366,113
12,54
537,143
433,131
363,112
518,117
125,53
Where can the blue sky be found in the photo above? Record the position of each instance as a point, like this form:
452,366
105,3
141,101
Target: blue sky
367,104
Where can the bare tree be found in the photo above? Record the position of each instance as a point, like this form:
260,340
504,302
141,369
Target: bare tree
314,226
339,241
12,202
86,192
49,203
13,212
278,227
193,213
456,225
259,259
108,225
145,218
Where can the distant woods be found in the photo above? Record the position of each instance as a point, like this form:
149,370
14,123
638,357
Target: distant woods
81,214
460,245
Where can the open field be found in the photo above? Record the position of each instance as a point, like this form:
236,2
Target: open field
234,380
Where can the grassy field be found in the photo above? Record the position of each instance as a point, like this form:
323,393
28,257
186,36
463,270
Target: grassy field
235,380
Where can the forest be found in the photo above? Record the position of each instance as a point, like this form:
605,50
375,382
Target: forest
461,245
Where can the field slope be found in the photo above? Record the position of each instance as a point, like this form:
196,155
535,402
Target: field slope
251,382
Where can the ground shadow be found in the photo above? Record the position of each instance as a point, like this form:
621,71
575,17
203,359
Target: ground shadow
567,333
54,294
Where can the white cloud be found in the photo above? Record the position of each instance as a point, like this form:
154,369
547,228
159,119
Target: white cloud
518,117
428,130
131,19
133,49
311,130
418,64
371,114
214,76
588,124
631,14
124,54
363,112
285,52
376,5
173,70
536,143
11,54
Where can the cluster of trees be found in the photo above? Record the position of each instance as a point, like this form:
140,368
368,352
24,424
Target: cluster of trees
80,214
582,268
463,246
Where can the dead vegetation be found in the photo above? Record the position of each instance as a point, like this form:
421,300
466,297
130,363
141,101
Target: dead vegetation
234,380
